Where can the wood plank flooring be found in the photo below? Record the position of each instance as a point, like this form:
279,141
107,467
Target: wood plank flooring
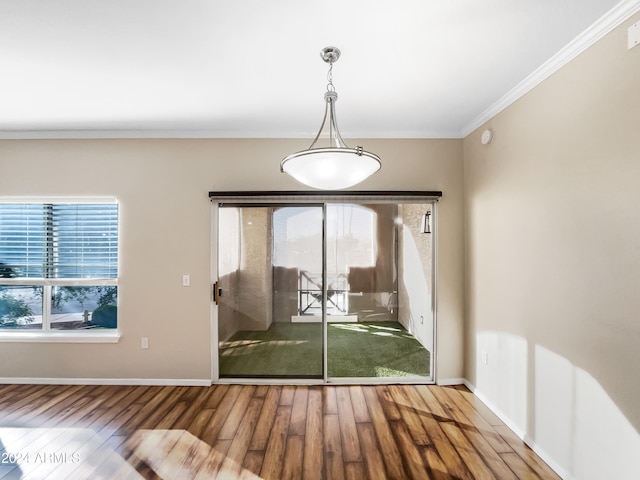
252,432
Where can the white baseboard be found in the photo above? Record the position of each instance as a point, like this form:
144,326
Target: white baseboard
444,382
180,382
519,431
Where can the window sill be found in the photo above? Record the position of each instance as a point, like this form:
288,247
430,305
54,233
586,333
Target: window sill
59,337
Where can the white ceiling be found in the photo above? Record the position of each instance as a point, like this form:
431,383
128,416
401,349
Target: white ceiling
251,68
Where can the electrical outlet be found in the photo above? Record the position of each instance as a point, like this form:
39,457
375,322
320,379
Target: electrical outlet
144,342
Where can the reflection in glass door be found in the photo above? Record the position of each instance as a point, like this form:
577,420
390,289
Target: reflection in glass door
270,307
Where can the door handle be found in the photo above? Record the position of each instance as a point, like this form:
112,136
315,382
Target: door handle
217,292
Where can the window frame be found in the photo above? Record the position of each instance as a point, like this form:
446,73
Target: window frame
46,334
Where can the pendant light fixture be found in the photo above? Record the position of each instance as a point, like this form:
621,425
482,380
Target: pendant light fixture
333,166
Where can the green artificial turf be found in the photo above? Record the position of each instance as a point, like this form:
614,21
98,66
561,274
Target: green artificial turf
364,349
285,349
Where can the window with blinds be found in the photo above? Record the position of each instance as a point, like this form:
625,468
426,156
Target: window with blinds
58,265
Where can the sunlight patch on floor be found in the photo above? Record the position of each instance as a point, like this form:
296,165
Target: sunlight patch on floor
380,327
239,350
149,448
60,453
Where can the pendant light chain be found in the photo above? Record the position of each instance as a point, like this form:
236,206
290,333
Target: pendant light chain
330,87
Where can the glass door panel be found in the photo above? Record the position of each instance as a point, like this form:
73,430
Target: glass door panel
270,308
379,292
416,290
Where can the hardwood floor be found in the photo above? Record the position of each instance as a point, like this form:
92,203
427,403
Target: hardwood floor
250,432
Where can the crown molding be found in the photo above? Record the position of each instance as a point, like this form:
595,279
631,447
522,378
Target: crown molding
89,134
612,19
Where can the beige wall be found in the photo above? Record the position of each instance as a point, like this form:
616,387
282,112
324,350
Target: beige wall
162,186
553,262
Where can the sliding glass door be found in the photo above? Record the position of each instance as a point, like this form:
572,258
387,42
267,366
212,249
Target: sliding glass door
336,291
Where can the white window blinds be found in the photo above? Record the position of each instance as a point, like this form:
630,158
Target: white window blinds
59,240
